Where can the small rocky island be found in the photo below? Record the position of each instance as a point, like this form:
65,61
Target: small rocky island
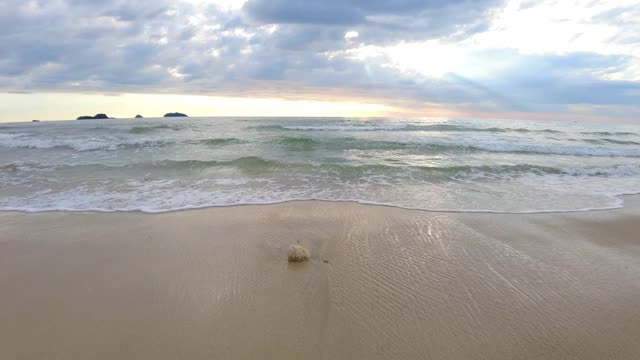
175,114
139,116
97,116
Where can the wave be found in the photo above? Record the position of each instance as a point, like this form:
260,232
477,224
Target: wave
607,133
600,141
400,127
81,145
615,202
350,143
251,163
618,170
492,171
342,143
11,136
219,141
266,127
259,165
502,147
25,142
148,129
299,143
620,142
169,185
10,167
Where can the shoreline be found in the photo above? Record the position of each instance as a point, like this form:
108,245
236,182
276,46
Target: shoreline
215,283
623,198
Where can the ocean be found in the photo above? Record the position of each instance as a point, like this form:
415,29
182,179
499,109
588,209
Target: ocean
465,165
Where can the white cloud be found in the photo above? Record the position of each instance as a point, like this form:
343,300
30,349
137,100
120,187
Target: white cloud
431,58
350,35
551,27
563,26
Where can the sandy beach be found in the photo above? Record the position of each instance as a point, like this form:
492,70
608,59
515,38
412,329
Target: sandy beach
383,283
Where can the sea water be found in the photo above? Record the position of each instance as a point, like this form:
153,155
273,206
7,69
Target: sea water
158,165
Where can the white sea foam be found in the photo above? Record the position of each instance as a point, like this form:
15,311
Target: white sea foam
578,193
348,127
502,146
618,171
80,144
90,202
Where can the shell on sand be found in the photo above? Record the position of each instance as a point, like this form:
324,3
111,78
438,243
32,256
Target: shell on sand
298,254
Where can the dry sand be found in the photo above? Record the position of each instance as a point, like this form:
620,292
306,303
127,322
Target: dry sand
399,284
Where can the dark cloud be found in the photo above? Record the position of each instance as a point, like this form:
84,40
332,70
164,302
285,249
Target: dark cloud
305,12
377,21
562,79
337,12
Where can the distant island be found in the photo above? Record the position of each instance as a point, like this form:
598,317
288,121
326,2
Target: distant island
175,114
97,116
104,116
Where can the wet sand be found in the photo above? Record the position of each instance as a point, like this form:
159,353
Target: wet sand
398,284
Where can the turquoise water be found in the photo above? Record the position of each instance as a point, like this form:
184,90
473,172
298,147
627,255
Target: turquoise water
157,165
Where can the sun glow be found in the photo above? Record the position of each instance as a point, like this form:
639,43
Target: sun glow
25,107
430,58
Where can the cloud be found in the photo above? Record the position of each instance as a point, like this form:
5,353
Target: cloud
372,12
576,78
376,21
304,12
415,53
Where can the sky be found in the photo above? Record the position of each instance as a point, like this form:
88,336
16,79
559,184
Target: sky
542,59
